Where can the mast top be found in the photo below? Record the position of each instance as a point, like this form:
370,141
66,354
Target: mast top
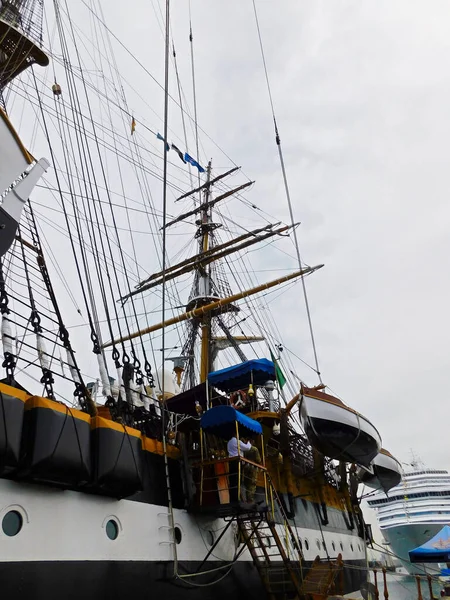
20,38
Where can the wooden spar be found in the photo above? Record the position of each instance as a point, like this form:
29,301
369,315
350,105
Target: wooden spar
290,405
212,182
212,250
202,262
207,205
202,310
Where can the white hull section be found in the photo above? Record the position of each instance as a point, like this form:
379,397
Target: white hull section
61,525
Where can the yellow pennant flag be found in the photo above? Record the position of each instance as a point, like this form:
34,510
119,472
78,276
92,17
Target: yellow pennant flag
133,125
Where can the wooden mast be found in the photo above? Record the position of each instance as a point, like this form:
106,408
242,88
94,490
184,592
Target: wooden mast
205,280
205,302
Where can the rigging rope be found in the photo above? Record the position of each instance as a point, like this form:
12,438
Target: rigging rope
288,195
163,304
191,41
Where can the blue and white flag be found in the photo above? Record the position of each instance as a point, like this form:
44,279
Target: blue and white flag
193,162
160,137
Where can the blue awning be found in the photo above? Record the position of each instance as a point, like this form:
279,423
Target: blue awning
256,371
435,550
221,420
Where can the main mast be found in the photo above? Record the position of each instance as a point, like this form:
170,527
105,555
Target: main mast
204,232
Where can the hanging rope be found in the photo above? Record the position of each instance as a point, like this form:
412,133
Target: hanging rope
288,195
191,41
183,120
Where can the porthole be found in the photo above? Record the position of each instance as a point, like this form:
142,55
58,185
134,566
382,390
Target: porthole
300,543
112,529
178,535
306,544
210,537
351,547
12,523
318,544
323,546
359,547
342,546
333,545
267,542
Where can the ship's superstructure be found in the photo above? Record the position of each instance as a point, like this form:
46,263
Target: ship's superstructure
412,512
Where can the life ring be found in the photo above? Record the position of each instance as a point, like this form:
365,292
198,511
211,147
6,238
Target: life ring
238,399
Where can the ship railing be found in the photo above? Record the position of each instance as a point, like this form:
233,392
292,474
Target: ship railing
227,482
380,586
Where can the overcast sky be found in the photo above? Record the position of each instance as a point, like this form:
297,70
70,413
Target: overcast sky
362,98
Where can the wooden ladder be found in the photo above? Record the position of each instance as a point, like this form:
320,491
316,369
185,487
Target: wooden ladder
281,576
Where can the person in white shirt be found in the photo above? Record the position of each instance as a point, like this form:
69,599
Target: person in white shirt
233,477
232,447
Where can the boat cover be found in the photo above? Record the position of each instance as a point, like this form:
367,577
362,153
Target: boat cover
256,371
435,550
184,402
221,420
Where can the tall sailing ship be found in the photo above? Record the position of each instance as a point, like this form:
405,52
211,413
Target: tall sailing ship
114,473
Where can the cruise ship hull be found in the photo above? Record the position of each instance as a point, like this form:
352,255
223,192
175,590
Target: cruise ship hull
404,538
63,550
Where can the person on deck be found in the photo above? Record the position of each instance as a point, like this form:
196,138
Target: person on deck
235,449
232,447
251,472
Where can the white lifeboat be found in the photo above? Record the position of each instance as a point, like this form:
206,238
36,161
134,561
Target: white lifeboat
336,430
387,472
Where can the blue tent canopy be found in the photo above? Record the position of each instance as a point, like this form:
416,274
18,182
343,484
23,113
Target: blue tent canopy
221,420
256,371
435,550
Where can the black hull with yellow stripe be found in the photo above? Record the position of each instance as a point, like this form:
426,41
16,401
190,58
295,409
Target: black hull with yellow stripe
71,476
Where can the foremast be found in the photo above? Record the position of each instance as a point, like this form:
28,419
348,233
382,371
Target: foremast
209,300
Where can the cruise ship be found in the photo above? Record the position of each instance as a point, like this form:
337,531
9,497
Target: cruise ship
413,512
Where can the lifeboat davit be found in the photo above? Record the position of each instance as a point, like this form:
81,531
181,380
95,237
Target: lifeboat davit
336,430
387,472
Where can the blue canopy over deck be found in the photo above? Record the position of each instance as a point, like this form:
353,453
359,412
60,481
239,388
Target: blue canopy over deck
435,550
256,371
221,420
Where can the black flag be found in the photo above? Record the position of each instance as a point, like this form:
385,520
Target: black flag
178,151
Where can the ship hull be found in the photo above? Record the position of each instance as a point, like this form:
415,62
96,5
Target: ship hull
404,538
114,580
63,549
